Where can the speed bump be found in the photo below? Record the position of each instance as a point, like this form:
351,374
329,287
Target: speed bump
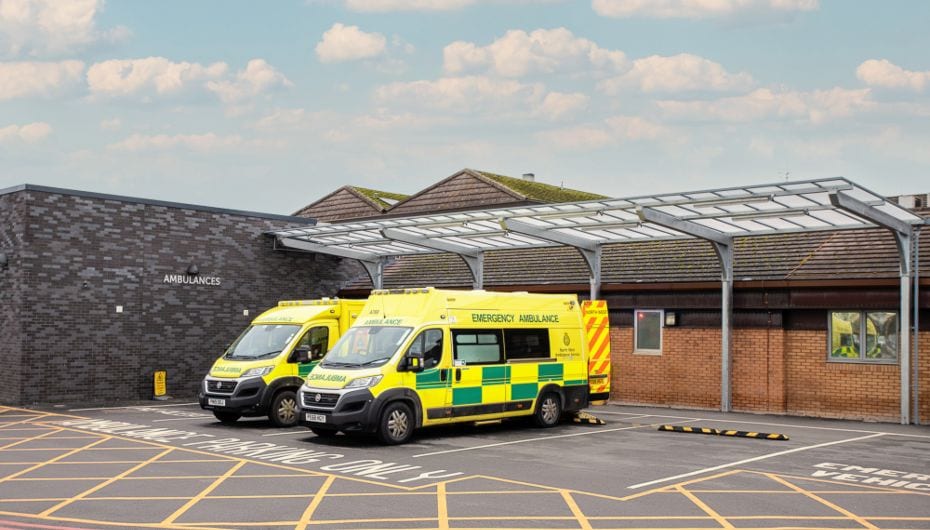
588,419
723,432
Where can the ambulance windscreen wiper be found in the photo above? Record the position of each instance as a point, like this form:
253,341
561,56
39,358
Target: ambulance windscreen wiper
374,361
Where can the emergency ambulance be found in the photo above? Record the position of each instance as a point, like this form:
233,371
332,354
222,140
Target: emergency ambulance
423,357
260,373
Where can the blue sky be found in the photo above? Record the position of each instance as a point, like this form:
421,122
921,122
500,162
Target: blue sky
269,106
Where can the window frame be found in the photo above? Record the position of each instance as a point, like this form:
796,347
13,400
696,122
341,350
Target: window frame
497,332
863,341
648,351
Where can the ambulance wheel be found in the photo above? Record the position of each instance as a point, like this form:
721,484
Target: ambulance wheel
323,432
548,411
397,423
227,417
284,409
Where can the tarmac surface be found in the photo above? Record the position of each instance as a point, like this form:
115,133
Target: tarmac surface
172,465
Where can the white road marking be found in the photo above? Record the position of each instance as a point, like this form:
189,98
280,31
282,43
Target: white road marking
541,438
306,431
205,416
136,407
754,459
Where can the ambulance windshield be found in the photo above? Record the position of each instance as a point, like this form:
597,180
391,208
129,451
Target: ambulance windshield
365,346
261,341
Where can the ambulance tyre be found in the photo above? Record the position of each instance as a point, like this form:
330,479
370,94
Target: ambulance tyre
284,409
397,423
548,410
226,417
324,432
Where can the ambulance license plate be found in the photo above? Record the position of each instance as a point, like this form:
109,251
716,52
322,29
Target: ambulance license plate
316,418
216,402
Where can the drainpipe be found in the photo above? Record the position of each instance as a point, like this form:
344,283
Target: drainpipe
914,350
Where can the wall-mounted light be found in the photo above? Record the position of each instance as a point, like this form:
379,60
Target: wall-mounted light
4,260
193,270
671,319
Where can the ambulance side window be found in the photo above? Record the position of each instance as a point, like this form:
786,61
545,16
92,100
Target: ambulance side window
316,341
527,344
477,346
429,343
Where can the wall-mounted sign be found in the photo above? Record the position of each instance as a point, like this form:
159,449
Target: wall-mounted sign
186,279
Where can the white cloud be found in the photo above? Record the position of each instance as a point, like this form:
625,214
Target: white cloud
123,77
283,119
557,105
695,9
677,73
38,27
114,124
764,104
348,43
209,142
465,95
367,6
519,53
615,130
25,79
885,74
257,77
29,133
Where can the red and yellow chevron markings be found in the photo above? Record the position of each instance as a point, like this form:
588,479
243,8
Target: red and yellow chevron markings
597,335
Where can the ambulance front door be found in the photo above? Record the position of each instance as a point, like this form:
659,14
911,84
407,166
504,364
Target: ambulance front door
433,384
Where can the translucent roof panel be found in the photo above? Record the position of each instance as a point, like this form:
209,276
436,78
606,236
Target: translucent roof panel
733,212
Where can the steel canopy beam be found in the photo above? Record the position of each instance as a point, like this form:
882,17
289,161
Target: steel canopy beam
723,247
589,250
473,258
903,235
373,263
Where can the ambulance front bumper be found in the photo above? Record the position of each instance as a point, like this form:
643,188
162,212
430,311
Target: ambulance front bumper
240,395
342,410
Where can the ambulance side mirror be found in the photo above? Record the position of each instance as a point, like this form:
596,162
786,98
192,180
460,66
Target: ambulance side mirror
302,355
413,362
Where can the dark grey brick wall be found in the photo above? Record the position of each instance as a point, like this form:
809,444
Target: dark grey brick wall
12,281
86,256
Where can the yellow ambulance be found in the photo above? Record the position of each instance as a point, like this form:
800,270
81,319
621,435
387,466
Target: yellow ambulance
260,373
422,357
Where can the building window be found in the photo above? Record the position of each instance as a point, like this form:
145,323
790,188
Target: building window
863,336
647,331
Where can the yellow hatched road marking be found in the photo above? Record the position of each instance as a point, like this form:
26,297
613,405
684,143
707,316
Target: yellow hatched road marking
576,511
104,484
307,516
57,458
24,440
823,501
111,523
206,491
703,506
442,508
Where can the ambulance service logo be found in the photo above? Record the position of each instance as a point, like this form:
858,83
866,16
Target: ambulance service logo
566,340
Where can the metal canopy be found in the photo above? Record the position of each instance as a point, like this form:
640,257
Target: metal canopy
733,212
717,216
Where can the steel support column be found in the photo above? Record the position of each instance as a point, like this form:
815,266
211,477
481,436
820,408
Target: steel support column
723,247
589,250
473,258
902,232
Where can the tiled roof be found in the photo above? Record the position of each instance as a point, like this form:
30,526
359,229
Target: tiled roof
540,191
350,202
469,189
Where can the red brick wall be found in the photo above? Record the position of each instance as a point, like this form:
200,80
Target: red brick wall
758,371
687,374
774,371
835,389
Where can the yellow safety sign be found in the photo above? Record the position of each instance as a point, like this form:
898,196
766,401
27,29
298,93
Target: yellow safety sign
161,383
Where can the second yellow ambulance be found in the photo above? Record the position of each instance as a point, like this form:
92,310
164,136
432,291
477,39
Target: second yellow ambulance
421,357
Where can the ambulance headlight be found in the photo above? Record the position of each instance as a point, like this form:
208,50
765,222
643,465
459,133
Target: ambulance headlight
257,372
364,382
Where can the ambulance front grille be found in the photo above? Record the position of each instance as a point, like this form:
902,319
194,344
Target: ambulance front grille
221,387
319,399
